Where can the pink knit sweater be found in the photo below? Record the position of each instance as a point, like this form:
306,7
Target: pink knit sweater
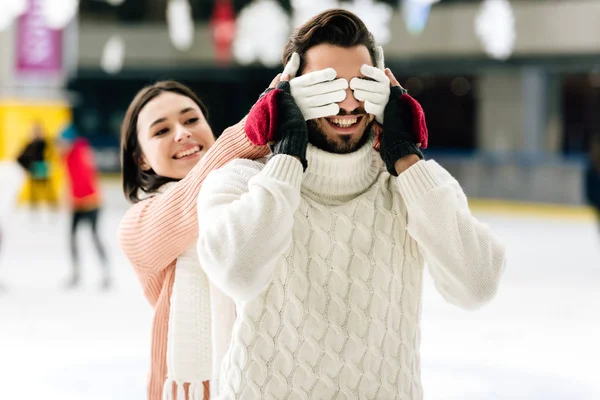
155,231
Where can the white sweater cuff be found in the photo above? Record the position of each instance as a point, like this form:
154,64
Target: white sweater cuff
418,179
284,168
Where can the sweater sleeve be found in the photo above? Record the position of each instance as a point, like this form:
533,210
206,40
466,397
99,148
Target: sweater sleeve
154,232
464,258
247,213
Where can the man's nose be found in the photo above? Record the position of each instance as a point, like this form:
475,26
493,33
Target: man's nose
349,104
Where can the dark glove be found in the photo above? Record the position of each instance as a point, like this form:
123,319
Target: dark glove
291,137
277,121
403,128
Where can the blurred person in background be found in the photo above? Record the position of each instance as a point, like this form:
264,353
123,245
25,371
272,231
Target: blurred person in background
85,200
592,176
323,245
34,159
167,149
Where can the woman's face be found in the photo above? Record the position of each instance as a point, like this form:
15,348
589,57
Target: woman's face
173,135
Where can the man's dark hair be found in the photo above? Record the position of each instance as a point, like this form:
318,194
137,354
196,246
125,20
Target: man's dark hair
335,27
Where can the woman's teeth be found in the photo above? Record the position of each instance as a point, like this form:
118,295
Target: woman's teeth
187,152
343,123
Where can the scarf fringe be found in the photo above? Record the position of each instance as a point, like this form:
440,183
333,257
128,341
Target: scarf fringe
181,391
214,388
195,391
168,390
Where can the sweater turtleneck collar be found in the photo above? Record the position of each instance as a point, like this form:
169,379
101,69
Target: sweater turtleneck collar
341,177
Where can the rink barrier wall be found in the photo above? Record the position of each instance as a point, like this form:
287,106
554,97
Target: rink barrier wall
541,210
526,209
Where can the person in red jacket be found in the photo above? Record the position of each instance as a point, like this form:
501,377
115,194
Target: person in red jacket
85,198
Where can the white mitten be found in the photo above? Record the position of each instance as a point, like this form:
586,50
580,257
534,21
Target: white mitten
376,92
316,93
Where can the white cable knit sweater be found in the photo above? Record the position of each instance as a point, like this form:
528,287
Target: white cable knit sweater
326,267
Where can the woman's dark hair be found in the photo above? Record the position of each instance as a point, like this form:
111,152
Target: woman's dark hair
134,178
335,27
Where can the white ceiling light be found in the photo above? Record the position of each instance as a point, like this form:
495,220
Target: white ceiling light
115,2
113,55
9,10
181,24
415,15
18,6
58,13
256,40
495,26
375,15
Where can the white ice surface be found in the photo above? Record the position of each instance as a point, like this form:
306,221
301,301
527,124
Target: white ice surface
538,339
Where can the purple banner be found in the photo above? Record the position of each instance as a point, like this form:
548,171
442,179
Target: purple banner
38,48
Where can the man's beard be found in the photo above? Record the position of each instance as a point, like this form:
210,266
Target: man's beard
319,139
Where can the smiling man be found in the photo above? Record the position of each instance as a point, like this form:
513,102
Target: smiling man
346,131
324,244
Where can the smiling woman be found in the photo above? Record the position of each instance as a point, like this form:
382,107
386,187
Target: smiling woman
167,149
173,143
163,126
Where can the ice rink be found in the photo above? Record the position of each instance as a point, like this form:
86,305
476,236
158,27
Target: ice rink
538,339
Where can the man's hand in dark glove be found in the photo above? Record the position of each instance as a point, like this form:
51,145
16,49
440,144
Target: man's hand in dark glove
277,121
404,129
292,133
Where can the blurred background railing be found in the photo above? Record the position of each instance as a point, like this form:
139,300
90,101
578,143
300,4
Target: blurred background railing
507,123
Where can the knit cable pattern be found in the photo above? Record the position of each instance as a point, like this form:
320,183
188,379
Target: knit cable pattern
340,318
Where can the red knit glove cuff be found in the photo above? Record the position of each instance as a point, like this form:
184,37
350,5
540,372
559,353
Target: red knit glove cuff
418,120
261,124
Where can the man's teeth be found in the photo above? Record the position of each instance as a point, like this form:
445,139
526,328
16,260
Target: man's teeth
343,123
187,152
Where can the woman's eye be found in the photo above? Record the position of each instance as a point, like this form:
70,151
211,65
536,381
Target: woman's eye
192,121
161,132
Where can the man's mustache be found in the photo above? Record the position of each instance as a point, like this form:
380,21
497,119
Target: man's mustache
356,111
